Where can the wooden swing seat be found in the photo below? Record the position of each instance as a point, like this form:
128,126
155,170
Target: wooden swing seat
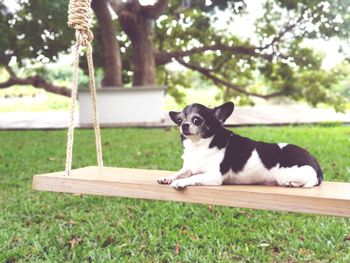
330,198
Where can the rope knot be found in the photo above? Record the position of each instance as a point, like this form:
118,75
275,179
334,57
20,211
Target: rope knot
79,18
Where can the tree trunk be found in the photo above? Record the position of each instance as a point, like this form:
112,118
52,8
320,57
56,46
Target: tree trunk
142,56
135,19
112,62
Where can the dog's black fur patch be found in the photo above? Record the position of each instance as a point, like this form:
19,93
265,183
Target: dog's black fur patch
239,149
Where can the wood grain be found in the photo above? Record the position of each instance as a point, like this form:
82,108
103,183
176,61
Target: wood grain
331,198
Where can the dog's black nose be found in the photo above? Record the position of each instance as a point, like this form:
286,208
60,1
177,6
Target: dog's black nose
185,126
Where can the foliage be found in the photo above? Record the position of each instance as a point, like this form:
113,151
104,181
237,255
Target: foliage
41,226
343,86
31,32
289,66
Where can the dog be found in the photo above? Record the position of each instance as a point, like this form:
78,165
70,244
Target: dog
214,155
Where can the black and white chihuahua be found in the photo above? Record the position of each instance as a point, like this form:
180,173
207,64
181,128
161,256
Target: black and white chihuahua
214,155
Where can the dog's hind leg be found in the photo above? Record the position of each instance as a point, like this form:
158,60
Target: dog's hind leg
295,176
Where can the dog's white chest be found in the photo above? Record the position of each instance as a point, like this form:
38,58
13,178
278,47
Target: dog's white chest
199,158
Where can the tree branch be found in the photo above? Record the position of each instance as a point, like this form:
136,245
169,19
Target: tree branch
218,80
287,28
163,57
35,81
154,11
7,84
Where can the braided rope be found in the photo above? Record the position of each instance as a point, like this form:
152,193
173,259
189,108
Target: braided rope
70,133
94,105
79,18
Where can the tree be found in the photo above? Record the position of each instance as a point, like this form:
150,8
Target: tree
152,36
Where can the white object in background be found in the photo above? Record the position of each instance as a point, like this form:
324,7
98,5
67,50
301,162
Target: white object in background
123,105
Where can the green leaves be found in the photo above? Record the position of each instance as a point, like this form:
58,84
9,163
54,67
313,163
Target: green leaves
319,87
31,32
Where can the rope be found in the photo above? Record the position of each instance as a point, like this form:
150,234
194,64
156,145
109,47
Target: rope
79,18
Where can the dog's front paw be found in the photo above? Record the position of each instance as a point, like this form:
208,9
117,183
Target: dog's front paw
164,180
178,184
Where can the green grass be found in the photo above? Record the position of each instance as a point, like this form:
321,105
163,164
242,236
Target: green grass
54,227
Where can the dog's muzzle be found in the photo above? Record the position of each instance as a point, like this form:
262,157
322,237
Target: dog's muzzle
185,128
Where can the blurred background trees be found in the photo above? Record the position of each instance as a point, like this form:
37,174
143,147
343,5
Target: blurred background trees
186,44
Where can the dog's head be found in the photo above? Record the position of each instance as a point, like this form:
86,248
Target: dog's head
197,121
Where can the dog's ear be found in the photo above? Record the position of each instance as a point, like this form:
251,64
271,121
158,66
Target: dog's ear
223,112
174,116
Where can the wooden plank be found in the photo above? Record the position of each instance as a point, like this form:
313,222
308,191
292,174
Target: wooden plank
331,198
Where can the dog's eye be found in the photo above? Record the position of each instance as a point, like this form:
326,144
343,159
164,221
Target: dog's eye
197,121
179,121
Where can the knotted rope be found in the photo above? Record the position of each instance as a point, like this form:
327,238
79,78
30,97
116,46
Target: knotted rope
79,18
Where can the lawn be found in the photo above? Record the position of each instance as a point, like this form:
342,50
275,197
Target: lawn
54,227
